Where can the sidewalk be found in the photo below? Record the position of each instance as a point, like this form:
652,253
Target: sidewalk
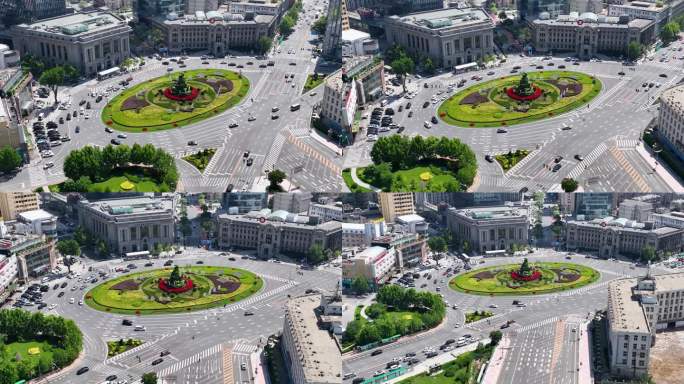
585,376
316,136
358,181
260,371
660,169
495,365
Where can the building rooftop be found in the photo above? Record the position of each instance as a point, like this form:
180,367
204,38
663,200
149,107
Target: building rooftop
589,19
214,18
491,213
132,206
674,97
283,218
444,18
76,23
669,282
354,34
412,218
37,214
371,253
320,357
626,314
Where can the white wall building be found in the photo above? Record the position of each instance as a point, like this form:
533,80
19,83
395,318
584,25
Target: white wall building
39,222
373,263
327,212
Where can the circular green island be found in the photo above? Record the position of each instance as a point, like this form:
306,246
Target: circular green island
524,279
173,290
175,100
518,99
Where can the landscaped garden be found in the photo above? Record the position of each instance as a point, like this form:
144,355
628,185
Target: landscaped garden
471,317
312,81
462,370
435,165
525,278
168,290
175,100
201,159
33,344
397,311
115,347
519,99
119,169
510,159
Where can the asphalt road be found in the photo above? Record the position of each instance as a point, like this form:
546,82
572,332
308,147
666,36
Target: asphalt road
197,341
536,326
605,132
284,143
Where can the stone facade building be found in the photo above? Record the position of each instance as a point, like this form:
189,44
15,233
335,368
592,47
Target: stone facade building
489,229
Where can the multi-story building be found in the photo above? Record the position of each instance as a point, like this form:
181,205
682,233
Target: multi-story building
637,309
192,6
489,229
358,43
411,248
275,233
374,263
310,353
611,237
8,275
38,222
155,8
639,211
588,34
12,203
214,31
259,7
396,7
10,134
360,235
651,10
671,120
449,37
413,223
369,77
129,224
333,30
340,97
34,10
592,205
244,202
296,202
327,212
396,204
672,219
91,42
35,254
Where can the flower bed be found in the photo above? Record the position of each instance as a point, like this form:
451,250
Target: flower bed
194,92
166,288
535,95
535,275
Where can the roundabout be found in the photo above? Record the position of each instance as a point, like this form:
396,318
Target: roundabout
519,99
527,278
175,100
181,289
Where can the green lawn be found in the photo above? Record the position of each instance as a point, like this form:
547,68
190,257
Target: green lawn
141,182
499,110
137,300
412,177
201,159
471,317
311,83
22,349
346,176
114,347
162,114
510,159
494,280
464,369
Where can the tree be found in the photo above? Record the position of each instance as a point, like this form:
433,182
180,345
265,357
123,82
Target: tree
401,67
9,159
149,378
276,177
69,248
32,64
360,285
495,337
53,78
286,26
634,50
670,32
155,37
319,25
569,184
264,44
648,254
428,66
503,15
315,254
437,244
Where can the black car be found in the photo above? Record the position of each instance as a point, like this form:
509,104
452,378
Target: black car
115,141
168,262
558,159
61,120
489,158
192,142
376,352
434,119
111,377
358,380
82,370
426,104
250,161
556,168
408,105
60,294
64,284
54,287
229,188
389,111
662,75
579,157
149,264
157,361
248,313
540,67
164,353
231,258
199,262
98,99
126,322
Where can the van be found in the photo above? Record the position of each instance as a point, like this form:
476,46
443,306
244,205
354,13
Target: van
348,376
294,107
45,279
139,328
383,103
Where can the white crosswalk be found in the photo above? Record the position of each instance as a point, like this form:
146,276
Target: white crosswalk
538,324
190,360
244,349
588,160
627,143
274,152
484,323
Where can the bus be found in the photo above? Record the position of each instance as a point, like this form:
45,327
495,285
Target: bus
137,255
498,252
294,107
465,258
107,73
463,68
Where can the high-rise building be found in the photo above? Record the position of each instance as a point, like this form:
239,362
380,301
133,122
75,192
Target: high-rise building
244,202
333,30
296,202
636,210
12,203
592,205
192,6
396,204
152,8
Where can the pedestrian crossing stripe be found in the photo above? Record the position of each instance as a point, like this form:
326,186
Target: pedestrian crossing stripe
190,360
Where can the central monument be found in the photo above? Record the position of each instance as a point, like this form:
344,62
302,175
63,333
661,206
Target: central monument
524,91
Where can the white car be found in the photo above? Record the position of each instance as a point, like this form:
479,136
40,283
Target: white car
313,94
80,302
72,300
493,306
372,138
